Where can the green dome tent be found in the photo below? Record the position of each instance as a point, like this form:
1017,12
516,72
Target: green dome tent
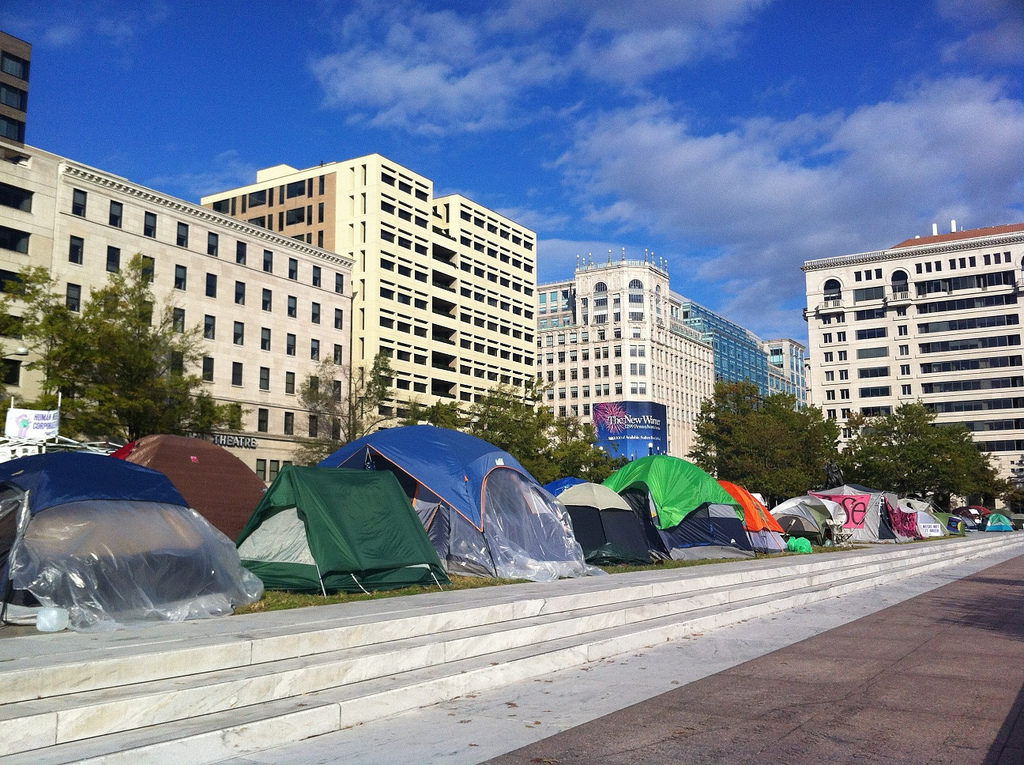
325,529
677,487
686,513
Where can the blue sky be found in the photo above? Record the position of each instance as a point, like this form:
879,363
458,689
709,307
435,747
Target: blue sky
734,138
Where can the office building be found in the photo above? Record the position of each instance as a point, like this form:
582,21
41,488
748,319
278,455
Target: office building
614,350
270,307
934,319
739,353
786,369
443,287
15,56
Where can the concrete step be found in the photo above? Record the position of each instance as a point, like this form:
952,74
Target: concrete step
332,675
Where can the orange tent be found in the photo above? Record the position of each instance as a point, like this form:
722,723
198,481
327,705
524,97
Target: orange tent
755,515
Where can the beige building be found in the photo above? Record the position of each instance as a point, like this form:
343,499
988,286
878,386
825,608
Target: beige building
935,319
615,334
270,306
442,286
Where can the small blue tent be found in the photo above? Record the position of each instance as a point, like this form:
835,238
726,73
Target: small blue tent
484,513
112,543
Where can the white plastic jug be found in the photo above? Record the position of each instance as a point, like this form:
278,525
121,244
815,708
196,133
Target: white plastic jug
51,619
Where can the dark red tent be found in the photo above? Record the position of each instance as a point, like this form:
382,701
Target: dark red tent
212,480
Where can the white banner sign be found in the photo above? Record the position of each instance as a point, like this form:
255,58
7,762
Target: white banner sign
32,424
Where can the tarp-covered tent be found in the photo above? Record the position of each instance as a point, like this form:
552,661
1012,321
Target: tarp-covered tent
809,517
871,515
764,531
112,543
605,525
323,530
484,513
210,478
928,525
996,522
670,491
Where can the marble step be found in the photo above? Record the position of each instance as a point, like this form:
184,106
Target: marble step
94,661
89,714
236,731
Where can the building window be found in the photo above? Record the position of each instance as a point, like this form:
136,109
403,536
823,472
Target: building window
15,197
314,313
339,283
76,249
265,338
239,293
239,333
293,309
314,349
261,469
293,269
13,239
182,238
210,327
116,211
212,244
78,202
73,297
339,319
208,368
289,382
113,259
240,253
289,423
236,372
316,276
264,378
267,300
149,225
178,319
180,276
268,261
289,344
262,419
337,354
312,426
211,285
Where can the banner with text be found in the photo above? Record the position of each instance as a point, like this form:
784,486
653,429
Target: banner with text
32,424
631,429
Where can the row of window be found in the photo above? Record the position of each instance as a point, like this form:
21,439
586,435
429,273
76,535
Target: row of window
115,218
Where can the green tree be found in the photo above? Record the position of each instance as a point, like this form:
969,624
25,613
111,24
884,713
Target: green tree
763,443
907,453
120,367
343,407
441,414
517,421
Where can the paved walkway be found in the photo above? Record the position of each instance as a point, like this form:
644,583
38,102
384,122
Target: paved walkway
713,698
936,679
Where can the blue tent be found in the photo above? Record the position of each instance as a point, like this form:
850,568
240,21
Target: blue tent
559,485
111,542
484,513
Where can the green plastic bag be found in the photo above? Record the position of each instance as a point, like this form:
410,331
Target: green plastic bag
798,545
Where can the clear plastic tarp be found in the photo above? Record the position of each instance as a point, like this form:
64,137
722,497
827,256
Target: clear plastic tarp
113,563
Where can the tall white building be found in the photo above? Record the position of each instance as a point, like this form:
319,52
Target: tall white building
613,350
442,286
935,319
269,305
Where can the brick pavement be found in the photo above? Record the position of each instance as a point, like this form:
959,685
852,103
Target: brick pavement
936,679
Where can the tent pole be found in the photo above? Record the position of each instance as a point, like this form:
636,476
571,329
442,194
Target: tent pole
320,577
357,583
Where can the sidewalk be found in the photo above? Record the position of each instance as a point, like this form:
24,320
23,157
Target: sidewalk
937,679
573,715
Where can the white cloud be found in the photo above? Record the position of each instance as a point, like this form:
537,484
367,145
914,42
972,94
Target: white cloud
439,72
997,30
226,171
771,194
